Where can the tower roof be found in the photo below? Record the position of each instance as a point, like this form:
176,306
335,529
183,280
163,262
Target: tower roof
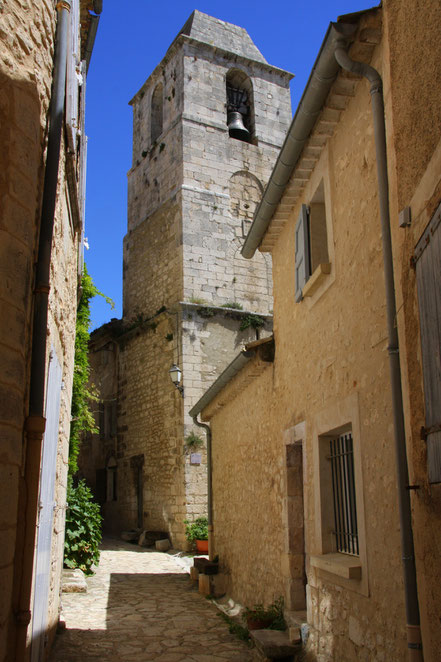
224,35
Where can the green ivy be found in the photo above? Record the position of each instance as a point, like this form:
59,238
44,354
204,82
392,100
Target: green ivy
83,394
83,528
255,321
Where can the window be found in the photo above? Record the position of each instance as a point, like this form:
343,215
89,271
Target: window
156,117
240,106
311,241
338,547
341,459
107,419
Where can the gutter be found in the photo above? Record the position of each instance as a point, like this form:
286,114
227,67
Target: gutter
36,422
93,27
323,75
415,649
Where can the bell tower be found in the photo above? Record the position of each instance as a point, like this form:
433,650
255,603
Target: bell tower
207,127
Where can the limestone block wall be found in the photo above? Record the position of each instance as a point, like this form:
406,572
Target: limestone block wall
211,338
156,171
149,426
152,269
330,369
224,179
26,61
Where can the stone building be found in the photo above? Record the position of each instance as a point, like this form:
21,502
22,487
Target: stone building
189,296
305,437
44,48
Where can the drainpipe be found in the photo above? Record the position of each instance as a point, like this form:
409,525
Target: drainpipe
209,487
35,422
415,650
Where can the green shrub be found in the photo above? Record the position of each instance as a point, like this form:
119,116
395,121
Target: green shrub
197,530
193,441
83,528
273,614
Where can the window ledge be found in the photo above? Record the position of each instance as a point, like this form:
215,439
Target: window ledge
343,565
316,279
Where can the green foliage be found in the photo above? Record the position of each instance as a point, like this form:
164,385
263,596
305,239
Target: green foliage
196,300
82,393
273,614
236,628
83,528
232,304
193,441
169,337
206,312
251,320
197,530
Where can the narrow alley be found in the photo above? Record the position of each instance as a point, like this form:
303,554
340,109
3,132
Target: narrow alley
141,606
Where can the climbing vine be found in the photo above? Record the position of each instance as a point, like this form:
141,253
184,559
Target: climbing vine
83,393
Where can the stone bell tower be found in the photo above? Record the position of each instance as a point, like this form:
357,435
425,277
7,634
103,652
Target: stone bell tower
188,294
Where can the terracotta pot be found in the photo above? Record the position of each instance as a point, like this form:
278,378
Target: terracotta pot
202,546
255,623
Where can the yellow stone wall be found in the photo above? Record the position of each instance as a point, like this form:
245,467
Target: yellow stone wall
330,368
26,62
413,80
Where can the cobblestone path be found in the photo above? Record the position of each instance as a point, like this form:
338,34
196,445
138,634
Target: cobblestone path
141,606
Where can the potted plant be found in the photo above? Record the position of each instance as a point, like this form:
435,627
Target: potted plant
259,617
197,532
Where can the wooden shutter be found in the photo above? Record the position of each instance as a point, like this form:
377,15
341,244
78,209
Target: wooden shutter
427,258
46,506
82,170
302,256
73,76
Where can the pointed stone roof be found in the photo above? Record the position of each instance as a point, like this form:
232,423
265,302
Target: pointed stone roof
224,35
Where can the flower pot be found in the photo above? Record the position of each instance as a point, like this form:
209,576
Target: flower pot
202,546
256,623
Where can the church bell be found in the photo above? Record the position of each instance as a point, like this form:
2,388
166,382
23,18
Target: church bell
236,127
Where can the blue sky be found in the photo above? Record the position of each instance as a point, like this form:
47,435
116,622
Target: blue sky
132,39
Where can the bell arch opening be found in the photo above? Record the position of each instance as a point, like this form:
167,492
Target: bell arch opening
240,106
156,114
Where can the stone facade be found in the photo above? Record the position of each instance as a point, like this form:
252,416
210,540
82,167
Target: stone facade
272,494
26,71
192,190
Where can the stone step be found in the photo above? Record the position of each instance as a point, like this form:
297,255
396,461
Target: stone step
274,645
73,581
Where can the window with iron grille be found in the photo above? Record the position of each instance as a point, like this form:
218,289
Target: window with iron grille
341,457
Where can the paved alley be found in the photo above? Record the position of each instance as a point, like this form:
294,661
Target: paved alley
141,606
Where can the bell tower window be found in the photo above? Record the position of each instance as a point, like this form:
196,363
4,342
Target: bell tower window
240,106
156,113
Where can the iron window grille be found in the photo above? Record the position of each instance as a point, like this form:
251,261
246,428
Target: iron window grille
343,489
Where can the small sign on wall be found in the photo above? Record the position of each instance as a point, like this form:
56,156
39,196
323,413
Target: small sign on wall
195,458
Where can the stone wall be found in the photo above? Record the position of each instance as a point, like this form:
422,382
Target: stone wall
330,371
26,62
192,193
414,153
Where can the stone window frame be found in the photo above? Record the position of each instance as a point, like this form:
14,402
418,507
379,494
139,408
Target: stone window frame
312,251
157,113
343,569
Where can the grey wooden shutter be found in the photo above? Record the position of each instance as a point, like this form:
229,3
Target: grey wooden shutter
46,507
82,169
427,258
73,76
302,258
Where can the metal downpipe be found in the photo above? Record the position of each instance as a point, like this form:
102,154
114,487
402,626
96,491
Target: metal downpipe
35,422
209,487
415,651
